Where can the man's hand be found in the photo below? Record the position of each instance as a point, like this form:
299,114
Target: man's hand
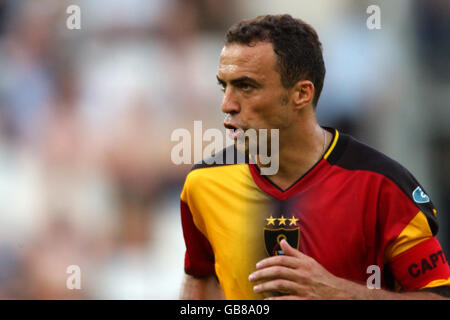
297,275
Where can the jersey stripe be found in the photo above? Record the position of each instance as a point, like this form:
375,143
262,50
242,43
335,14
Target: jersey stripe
336,137
414,233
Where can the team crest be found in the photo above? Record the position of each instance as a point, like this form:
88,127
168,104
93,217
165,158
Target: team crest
287,229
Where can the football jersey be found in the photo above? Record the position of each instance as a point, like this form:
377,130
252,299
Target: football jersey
353,209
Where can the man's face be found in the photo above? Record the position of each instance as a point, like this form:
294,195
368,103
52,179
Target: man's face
254,97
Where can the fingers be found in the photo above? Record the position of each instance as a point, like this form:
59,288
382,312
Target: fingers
287,273
288,250
292,258
275,272
285,261
281,285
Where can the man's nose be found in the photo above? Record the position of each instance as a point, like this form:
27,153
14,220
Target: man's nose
229,102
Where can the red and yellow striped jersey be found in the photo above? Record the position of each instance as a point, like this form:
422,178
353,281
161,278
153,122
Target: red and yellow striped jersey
354,208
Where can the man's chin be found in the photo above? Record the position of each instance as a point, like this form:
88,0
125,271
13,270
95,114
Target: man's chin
248,142
244,147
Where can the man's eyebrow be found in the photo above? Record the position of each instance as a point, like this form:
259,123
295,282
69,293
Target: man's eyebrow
220,80
239,80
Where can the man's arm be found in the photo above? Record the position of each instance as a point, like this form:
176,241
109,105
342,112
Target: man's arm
304,278
200,281
357,291
201,288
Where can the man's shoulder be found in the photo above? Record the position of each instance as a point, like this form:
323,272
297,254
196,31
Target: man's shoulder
221,166
225,170
352,154
225,157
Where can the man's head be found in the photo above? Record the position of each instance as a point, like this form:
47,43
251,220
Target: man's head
296,44
271,69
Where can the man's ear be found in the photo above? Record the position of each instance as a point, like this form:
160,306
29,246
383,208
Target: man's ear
302,94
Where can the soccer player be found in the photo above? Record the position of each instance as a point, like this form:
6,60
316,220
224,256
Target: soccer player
335,209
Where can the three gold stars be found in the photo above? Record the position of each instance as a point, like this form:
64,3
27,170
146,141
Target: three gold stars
282,221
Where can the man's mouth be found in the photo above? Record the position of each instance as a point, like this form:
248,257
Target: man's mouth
233,131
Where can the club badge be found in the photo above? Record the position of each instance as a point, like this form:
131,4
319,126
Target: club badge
280,228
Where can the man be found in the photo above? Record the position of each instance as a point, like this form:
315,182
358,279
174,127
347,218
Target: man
335,209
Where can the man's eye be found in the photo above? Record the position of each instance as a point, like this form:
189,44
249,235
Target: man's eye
245,86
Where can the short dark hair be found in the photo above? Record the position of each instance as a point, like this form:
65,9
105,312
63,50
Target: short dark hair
294,41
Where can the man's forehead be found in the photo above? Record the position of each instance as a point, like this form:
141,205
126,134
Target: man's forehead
256,58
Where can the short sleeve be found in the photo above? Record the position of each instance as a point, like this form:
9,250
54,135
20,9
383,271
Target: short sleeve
411,250
199,256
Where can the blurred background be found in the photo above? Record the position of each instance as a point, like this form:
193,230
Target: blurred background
86,117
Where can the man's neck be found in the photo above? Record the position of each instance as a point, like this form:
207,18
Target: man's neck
299,152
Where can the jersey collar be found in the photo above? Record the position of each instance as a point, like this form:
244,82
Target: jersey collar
273,190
